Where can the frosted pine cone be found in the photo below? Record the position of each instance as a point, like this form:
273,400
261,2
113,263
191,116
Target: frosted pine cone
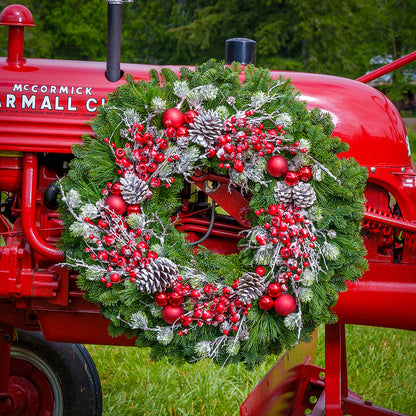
283,193
133,189
206,128
157,276
251,287
303,195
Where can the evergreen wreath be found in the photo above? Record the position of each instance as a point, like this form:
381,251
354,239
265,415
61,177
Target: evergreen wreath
120,199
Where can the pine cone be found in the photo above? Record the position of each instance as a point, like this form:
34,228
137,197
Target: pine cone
303,195
157,276
251,287
133,189
283,193
206,128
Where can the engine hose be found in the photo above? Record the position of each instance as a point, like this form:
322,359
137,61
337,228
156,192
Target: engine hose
211,226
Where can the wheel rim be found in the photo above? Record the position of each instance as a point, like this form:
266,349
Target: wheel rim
34,384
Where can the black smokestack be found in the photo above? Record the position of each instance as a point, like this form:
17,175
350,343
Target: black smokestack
240,50
113,72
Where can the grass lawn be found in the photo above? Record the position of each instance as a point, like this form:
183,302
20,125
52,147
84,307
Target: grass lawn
381,362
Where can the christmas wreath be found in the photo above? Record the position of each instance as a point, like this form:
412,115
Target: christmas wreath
122,194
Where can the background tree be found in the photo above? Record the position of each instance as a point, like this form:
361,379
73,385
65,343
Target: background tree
335,37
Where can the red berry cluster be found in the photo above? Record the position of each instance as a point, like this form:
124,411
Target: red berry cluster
175,122
240,135
211,306
147,154
287,229
134,252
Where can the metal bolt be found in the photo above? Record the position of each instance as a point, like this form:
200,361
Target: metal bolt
372,169
403,170
7,338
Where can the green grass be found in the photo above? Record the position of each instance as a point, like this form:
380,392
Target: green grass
412,141
134,385
381,365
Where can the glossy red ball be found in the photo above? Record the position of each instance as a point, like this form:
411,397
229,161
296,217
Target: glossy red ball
285,304
274,290
171,314
172,117
133,209
277,166
291,178
190,116
161,299
182,131
266,303
305,173
175,299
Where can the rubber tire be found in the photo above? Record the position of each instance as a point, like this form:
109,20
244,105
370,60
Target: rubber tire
71,365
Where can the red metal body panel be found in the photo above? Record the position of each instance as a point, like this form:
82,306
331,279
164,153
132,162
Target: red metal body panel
46,104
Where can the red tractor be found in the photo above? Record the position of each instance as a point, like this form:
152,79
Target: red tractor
44,107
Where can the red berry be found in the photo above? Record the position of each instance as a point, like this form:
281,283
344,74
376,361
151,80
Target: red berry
260,270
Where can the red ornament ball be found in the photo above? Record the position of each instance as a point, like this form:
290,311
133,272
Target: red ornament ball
175,299
277,166
161,299
274,290
172,117
266,303
133,209
285,304
291,178
305,173
116,204
182,131
190,116
171,313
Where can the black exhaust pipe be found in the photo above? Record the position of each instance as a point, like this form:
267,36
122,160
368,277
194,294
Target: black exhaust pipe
113,72
240,50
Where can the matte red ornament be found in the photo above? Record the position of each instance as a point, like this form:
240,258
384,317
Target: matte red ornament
291,178
305,173
277,166
116,204
171,313
266,303
285,304
172,117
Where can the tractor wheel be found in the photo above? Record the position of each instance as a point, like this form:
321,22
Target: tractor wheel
52,378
